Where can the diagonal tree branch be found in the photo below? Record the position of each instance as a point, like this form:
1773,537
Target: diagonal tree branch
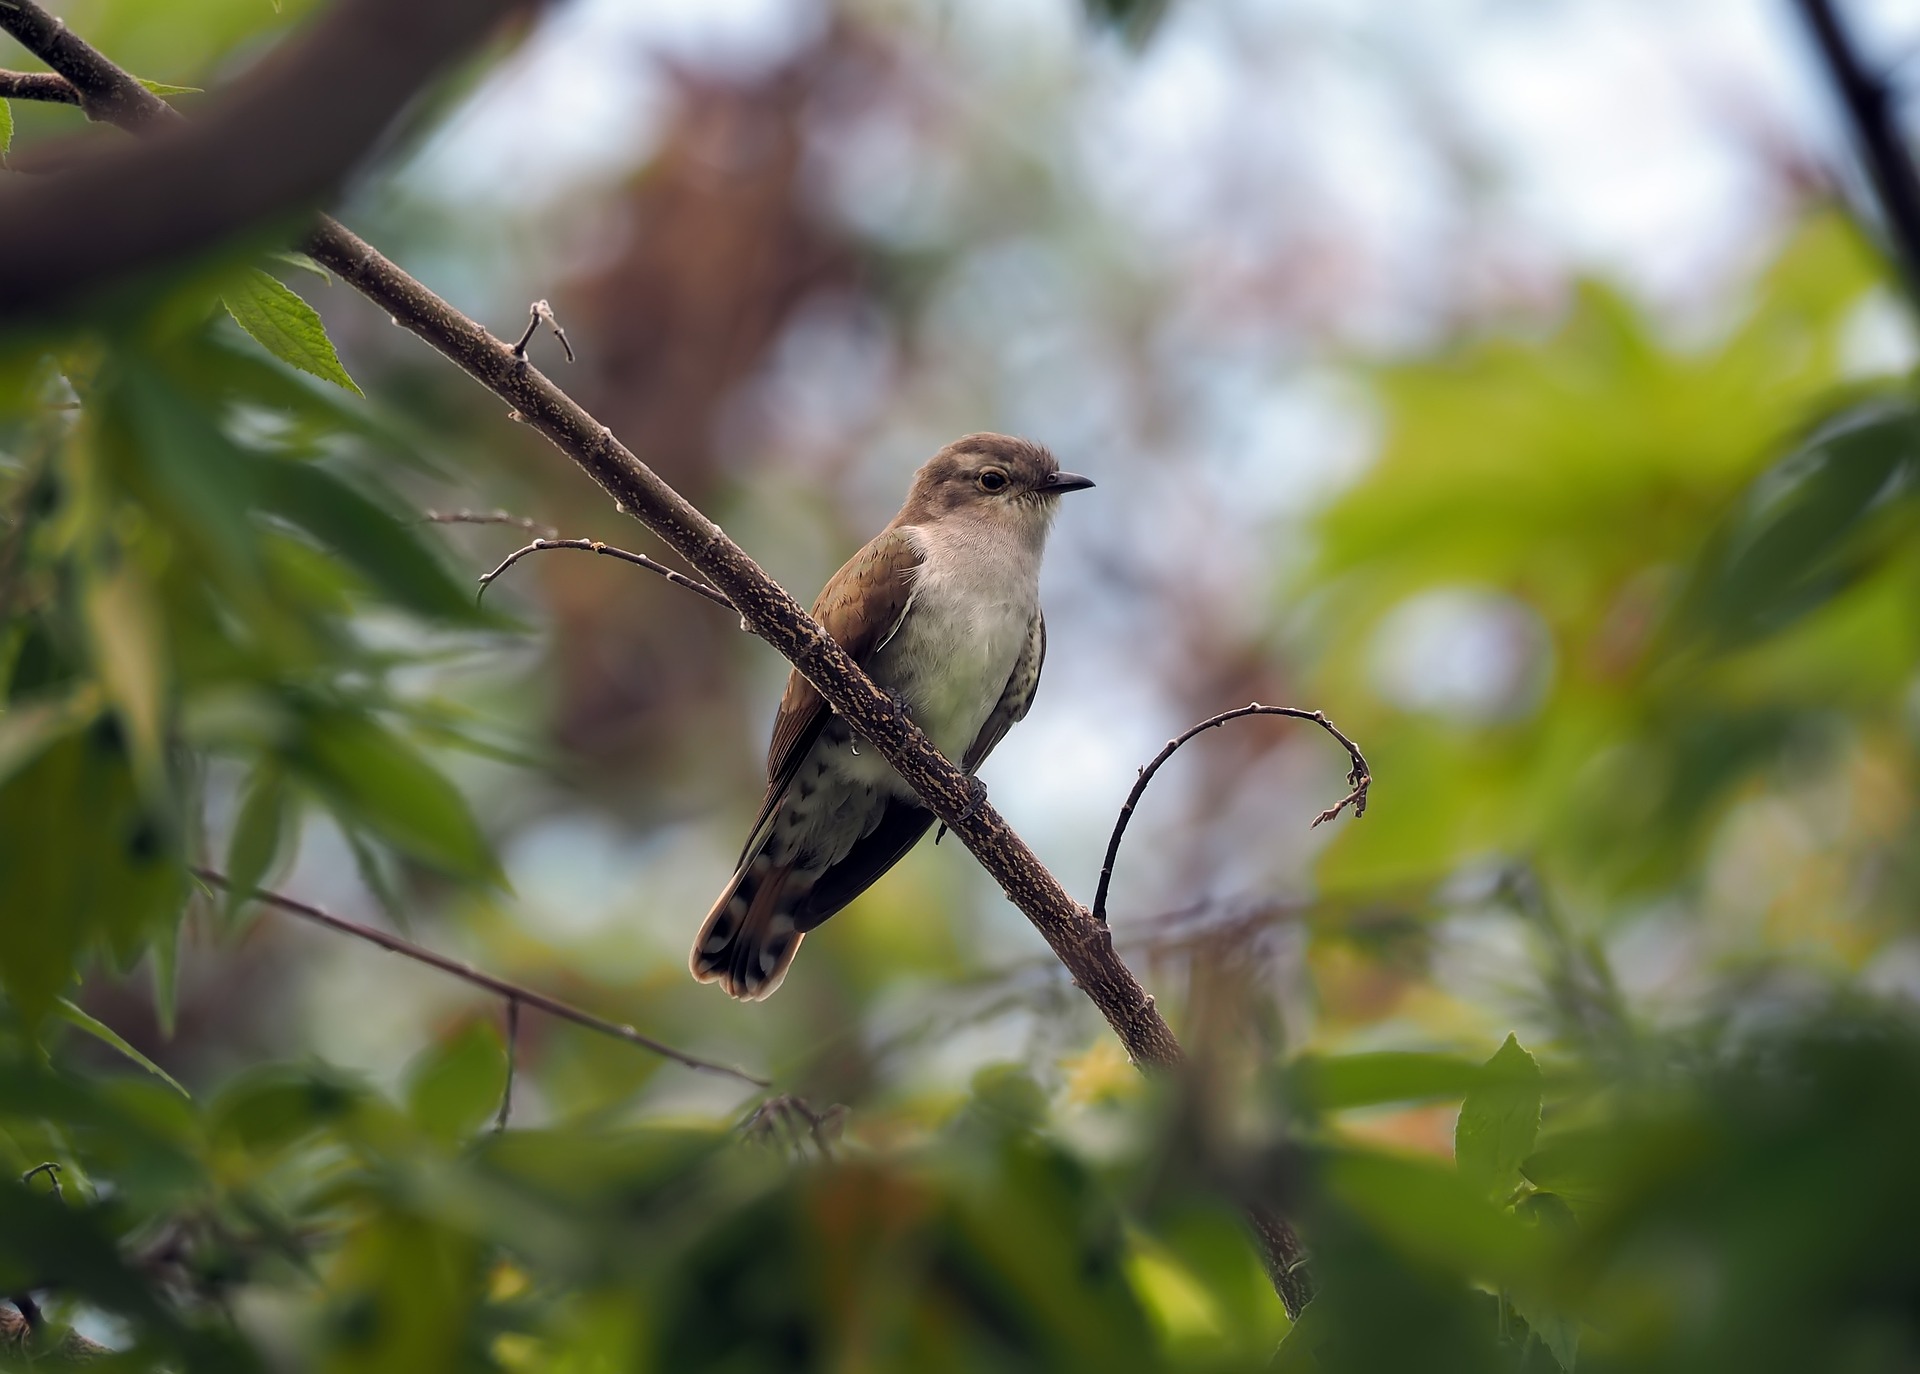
1084,945
515,994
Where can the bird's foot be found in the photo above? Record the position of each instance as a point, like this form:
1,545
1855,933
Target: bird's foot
976,797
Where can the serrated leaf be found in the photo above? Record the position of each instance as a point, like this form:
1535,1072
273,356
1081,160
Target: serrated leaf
108,1036
166,88
260,832
286,326
376,782
1499,1121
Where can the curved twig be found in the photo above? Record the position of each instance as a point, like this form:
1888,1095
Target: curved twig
639,560
514,992
1359,778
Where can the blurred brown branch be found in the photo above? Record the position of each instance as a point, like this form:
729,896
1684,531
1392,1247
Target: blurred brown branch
1084,945
1358,778
514,993
259,153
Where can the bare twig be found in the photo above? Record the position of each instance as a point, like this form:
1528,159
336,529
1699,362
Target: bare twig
500,987
639,560
47,86
490,517
50,1169
780,1119
767,609
1876,131
537,314
1358,778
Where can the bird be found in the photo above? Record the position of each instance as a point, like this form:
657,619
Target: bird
942,610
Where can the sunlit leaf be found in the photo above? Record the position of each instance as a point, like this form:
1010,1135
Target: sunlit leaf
286,326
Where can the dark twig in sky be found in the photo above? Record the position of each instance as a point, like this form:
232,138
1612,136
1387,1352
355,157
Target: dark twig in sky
1877,135
639,560
500,987
1358,778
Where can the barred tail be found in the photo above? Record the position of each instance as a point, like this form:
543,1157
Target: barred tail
750,937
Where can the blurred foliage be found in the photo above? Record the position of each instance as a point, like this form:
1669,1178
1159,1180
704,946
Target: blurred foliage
218,617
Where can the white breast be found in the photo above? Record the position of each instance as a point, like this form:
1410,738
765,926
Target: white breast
974,598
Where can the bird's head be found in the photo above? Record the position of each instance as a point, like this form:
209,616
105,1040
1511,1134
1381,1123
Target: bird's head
991,476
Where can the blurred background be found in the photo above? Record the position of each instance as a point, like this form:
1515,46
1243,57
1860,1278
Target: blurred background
1475,371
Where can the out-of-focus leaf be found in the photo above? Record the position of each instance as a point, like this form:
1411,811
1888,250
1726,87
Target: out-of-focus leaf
1137,19
1802,534
388,553
1558,1331
124,627
108,1036
1499,1121
27,729
304,263
375,781
1359,1080
457,1085
6,128
286,326
84,858
260,831
1433,1215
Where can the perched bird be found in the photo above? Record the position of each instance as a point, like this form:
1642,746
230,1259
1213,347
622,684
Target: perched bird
942,609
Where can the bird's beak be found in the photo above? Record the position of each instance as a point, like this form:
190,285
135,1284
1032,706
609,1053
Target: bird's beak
1062,482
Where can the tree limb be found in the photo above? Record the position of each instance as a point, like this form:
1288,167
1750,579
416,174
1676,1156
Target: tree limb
274,145
514,993
1084,945
47,86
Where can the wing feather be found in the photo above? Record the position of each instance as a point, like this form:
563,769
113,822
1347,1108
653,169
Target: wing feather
1015,698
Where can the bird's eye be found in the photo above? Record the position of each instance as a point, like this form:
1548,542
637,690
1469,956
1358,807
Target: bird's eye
992,480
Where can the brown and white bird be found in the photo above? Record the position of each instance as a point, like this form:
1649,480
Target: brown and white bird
942,609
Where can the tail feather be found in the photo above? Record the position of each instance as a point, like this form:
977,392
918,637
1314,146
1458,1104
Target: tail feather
748,940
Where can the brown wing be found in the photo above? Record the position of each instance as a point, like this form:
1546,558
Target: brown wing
1022,683
861,606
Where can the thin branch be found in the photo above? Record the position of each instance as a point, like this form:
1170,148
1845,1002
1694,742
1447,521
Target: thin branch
537,314
1877,135
490,517
1084,945
639,560
466,973
47,86
1358,778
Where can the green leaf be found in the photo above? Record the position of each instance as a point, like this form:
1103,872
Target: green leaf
124,628
1559,1332
286,326
165,88
84,859
457,1086
108,1036
1362,1080
260,832
304,263
377,782
389,554
6,128
1499,1121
